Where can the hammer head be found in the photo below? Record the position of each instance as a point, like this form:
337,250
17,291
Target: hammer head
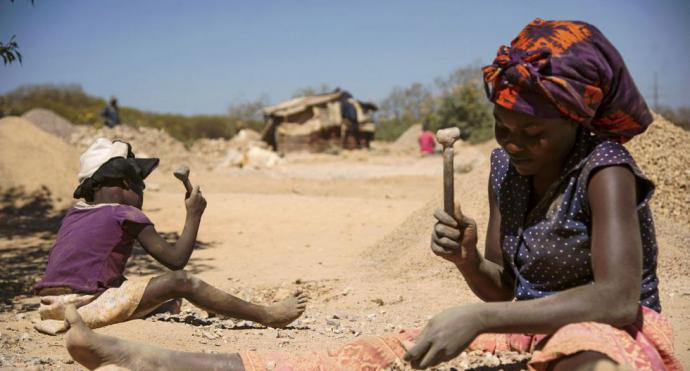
182,172
448,136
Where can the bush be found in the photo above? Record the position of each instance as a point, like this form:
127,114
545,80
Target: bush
71,102
457,100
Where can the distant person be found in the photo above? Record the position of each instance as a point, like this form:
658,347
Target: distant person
111,113
350,125
86,263
427,142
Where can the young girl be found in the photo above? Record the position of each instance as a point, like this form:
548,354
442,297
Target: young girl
569,269
87,262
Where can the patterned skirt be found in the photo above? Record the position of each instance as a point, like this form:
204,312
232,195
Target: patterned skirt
645,345
113,305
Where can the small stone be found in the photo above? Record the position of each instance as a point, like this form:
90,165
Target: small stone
378,301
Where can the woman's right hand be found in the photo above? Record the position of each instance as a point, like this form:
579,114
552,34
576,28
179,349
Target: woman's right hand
195,203
455,239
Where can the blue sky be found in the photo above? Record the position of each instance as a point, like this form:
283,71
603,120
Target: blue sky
199,56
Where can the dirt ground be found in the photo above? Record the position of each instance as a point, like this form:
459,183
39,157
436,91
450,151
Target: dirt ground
352,230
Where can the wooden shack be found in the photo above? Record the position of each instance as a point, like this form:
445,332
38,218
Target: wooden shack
317,123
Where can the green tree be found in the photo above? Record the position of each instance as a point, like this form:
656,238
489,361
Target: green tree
248,114
465,107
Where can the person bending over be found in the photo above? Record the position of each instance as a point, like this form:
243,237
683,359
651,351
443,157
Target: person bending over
569,267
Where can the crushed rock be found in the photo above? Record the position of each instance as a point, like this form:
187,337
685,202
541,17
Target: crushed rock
663,154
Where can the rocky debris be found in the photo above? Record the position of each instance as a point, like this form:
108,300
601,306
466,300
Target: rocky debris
243,150
218,147
13,352
259,158
195,319
146,142
663,154
478,360
50,122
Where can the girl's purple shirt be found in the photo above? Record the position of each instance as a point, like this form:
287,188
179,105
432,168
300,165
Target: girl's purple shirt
92,248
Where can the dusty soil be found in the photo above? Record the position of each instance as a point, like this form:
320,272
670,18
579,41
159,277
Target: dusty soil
357,242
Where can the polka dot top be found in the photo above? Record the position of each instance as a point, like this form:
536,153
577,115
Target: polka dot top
548,250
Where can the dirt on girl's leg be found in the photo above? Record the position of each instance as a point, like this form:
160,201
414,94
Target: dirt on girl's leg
180,284
93,350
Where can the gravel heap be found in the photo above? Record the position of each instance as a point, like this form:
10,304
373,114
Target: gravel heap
146,142
51,122
663,153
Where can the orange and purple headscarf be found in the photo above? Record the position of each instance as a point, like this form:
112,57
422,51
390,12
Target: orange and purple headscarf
556,69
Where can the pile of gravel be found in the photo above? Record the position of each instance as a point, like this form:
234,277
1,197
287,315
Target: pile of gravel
663,153
50,122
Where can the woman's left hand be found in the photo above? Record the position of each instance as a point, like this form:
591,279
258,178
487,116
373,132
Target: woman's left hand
445,336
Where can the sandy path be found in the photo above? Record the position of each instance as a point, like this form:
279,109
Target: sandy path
357,245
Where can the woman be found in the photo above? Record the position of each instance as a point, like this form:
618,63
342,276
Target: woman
570,235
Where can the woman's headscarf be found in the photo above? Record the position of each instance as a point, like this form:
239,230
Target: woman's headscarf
556,69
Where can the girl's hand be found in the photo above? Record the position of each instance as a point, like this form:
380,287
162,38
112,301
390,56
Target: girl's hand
195,203
455,239
445,336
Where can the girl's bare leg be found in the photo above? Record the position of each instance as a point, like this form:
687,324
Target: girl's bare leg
180,284
93,350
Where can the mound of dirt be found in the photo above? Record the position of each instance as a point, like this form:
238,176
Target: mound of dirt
32,160
146,142
663,153
407,141
208,154
218,148
50,122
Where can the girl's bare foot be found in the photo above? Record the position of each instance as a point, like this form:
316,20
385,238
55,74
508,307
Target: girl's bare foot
283,313
94,350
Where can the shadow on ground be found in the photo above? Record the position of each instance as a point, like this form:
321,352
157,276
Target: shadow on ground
28,226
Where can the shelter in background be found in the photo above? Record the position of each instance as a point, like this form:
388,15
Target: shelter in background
315,123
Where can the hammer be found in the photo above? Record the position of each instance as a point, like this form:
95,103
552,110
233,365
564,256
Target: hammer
182,173
447,137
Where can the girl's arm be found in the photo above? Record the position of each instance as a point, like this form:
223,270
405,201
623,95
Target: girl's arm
175,257
612,298
485,275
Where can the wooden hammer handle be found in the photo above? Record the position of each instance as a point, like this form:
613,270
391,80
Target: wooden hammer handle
448,184
187,187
